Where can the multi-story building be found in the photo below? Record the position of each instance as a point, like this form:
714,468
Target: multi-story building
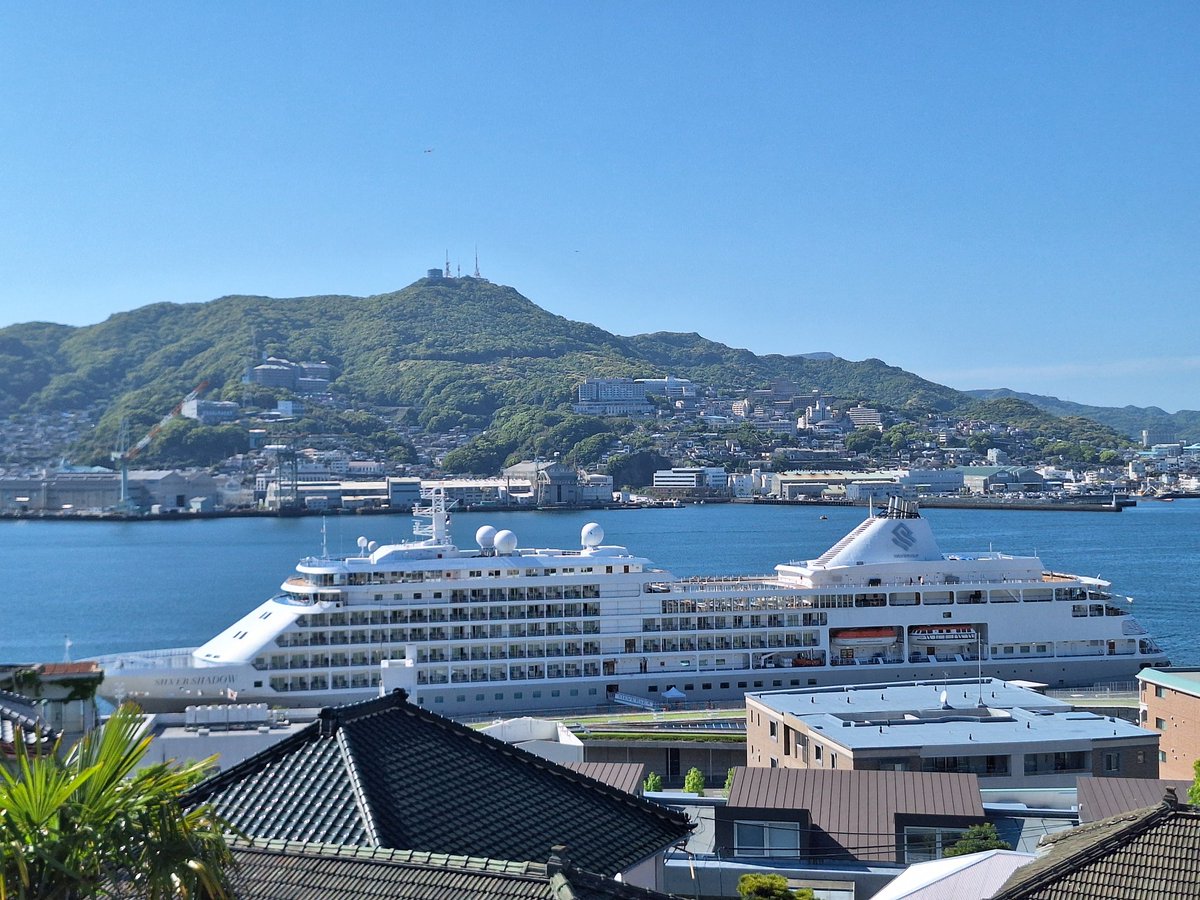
1004,733
1169,703
612,397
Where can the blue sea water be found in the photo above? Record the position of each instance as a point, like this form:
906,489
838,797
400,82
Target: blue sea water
111,586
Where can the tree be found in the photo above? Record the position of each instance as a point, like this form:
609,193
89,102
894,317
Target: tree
693,782
653,783
976,839
760,886
1194,789
729,781
92,824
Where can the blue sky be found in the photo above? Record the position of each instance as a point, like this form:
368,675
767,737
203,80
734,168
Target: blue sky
989,195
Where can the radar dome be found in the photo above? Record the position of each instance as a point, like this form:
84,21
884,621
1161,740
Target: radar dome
591,535
362,542
506,542
373,546
485,537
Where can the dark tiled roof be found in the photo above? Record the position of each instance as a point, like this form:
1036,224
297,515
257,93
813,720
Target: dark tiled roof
18,714
1100,798
848,804
627,777
296,871
1149,853
386,773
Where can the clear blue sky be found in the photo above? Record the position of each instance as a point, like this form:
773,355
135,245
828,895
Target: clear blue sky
989,195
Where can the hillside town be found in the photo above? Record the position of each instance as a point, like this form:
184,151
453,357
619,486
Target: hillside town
777,443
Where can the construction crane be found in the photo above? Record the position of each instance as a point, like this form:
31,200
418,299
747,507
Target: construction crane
123,454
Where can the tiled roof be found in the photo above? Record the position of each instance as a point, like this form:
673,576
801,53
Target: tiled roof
296,871
1151,853
1100,798
386,773
627,777
19,715
853,808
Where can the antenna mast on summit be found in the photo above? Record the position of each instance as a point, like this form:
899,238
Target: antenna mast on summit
477,261
447,263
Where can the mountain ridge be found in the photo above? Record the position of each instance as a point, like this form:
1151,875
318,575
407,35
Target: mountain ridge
456,350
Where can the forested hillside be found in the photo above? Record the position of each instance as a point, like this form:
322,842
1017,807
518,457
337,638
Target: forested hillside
447,352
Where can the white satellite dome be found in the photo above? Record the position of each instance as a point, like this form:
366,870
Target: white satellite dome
591,535
485,537
373,546
362,542
506,542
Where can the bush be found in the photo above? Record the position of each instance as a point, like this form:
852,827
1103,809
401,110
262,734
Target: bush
653,783
729,781
976,839
769,887
693,782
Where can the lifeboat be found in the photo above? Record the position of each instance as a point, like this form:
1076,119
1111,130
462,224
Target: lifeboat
863,637
957,633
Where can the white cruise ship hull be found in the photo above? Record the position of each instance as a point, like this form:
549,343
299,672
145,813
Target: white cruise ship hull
503,630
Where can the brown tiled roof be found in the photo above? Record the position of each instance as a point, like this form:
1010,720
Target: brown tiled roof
298,871
386,773
1151,853
1100,798
70,668
858,810
627,777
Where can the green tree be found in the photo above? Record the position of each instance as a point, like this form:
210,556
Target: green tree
760,886
729,781
1194,789
92,824
863,439
976,839
653,783
693,782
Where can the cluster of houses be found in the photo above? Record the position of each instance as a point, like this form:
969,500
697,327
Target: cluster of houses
853,792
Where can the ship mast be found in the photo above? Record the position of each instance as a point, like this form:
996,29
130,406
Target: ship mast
436,530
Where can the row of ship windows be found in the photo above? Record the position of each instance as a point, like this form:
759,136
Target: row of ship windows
442,614
353,579
552,648
880,598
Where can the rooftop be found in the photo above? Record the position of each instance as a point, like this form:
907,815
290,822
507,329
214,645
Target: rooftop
1182,679
385,773
942,714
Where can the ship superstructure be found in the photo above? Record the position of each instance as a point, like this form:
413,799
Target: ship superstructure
501,628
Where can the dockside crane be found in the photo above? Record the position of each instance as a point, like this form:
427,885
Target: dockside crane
124,453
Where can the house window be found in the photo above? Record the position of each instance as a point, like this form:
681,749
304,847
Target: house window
1112,762
1158,691
922,844
774,728
817,752
1141,757
767,839
1160,724
1162,756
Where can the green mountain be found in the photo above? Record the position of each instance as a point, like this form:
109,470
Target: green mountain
443,352
1127,420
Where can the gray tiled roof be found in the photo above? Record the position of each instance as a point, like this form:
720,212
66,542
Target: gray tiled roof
1100,798
1150,853
296,871
386,773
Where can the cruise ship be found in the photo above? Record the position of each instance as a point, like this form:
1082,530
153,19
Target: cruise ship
500,628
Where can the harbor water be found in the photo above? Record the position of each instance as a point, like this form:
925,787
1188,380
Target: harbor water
113,586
